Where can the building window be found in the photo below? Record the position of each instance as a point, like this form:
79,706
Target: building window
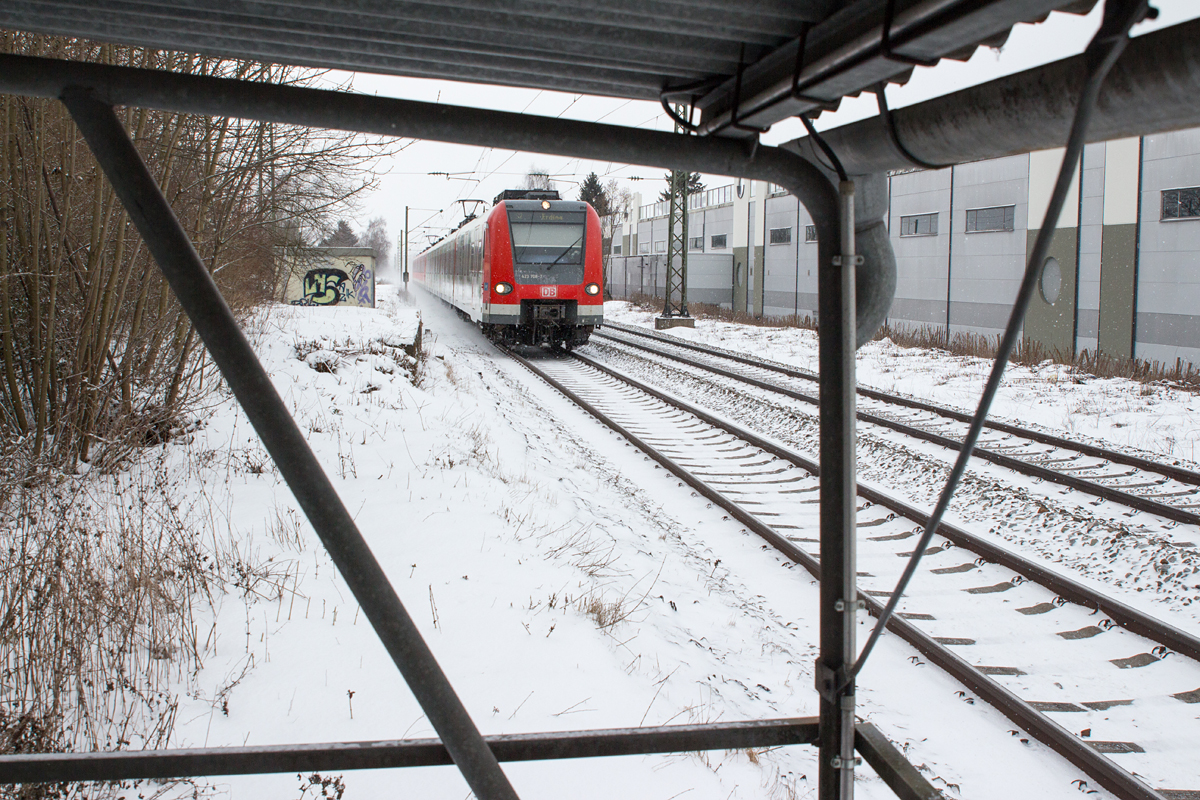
1181,203
920,225
718,242
696,243
616,249
643,248
810,234
781,235
998,218
660,247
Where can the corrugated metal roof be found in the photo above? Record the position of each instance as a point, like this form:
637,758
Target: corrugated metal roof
621,48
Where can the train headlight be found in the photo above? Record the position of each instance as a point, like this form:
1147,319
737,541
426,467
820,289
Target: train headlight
503,288
592,288
546,205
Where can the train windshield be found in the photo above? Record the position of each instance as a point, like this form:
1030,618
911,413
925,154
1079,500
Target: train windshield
548,246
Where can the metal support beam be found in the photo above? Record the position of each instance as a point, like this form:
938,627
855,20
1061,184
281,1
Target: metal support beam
1154,87
890,765
90,89
317,108
149,764
198,294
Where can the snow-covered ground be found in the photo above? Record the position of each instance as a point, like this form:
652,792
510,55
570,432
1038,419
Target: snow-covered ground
1150,419
563,581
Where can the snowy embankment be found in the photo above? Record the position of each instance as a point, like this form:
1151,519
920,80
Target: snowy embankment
530,570
562,580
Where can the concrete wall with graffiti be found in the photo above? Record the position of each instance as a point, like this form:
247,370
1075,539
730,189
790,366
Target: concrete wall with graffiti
329,276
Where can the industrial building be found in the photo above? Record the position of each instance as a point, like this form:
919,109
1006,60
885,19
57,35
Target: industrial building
1127,248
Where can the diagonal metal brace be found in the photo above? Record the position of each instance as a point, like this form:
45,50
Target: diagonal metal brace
200,298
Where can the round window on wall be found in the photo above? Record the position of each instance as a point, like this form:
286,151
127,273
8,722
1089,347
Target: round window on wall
1050,284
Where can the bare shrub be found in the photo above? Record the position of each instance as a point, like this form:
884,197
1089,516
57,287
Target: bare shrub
97,612
105,581
96,357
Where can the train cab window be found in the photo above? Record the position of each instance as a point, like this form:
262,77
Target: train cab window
547,245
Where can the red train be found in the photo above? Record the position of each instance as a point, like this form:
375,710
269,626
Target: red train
528,273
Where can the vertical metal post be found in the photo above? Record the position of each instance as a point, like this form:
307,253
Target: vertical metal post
839,603
406,248
198,294
677,238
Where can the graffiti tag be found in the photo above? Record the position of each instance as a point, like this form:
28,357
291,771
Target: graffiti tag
363,283
325,287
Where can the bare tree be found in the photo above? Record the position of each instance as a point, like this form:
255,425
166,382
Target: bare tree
536,178
376,237
617,201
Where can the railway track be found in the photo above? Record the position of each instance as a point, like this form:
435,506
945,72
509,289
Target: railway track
1109,688
1165,490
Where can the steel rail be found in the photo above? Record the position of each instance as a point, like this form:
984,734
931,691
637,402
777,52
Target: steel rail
777,540
1020,465
1106,773
104,85
1169,470
151,764
1124,615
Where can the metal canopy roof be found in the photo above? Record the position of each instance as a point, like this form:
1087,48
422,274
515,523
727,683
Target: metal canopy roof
622,48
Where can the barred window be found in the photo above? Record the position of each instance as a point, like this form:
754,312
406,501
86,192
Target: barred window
1181,203
810,234
660,247
919,225
643,248
997,218
719,242
696,243
781,235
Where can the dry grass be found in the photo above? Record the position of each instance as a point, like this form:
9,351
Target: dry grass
106,583
1030,353
1181,374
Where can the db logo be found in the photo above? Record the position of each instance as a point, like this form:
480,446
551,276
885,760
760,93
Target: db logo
549,291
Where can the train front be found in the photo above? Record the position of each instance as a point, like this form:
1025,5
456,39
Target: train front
542,272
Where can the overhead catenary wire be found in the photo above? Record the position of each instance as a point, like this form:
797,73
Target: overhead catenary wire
1106,46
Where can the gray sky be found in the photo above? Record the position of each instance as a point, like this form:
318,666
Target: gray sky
484,172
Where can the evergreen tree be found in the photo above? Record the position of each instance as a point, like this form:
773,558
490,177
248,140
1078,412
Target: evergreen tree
591,191
343,236
694,186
